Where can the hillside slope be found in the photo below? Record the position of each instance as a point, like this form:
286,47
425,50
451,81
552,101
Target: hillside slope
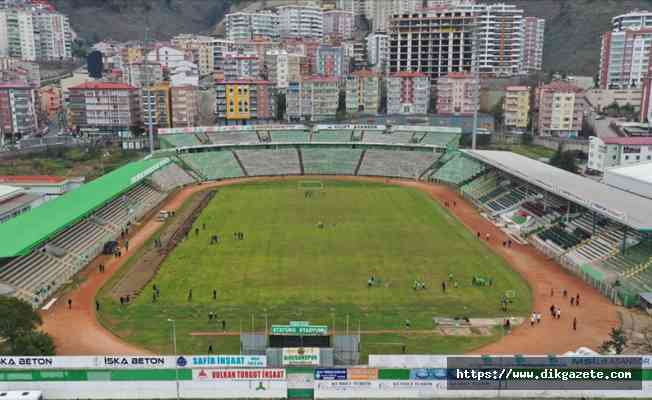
124,20
573,27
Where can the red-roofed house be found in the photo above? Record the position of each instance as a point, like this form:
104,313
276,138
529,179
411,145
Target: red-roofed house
408,93
104,108
561,109
619,151
456,94
46,185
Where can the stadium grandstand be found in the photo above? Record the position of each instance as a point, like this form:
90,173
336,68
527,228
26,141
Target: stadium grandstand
601,233
43,248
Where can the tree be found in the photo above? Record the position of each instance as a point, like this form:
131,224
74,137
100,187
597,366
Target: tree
341,106
281,106
34,344
498,113
566,160
617,342
18,318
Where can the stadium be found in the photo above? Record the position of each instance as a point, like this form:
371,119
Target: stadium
333,246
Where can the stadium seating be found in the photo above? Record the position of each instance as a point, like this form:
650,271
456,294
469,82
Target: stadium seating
440,139
561,237
510,199
400,164
234,138
294,136
393,138
179,140
330,161
39,274
259,162
171,177
341,135
459,170
214,164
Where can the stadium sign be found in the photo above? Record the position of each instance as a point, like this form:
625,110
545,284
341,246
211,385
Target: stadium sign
301,356
240,374
149,171
220,361
300,330
134,362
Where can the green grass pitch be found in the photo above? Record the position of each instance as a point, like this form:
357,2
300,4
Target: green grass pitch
288,268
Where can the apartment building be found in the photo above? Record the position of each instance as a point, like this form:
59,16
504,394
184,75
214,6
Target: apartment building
561,109
330,61
244,26
516,107
184,73
618,151
18,111
338,24
533,39
35,34
314,98
357,7
156,103
282,67
499,41
50,102
435,43
241,66
457,94
185,105
377,51
363,92
140,74
54,35
408,93
297,21
15,69
220,48
244,100
104,108
625,52
167,56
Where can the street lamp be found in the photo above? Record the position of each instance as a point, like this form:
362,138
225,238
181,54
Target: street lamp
174,346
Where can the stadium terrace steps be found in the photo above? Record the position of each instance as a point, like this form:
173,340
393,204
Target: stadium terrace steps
399,164
331,161
215,164
180,140
440,139
291,136
234,138
258,162
332,136
170,177
458,170
388,138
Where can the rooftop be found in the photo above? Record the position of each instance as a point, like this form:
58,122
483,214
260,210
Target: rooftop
561,86
409,74
517,88
639,172
626,208
631,141
103,86
18,179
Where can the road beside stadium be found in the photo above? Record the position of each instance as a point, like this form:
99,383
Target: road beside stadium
77,331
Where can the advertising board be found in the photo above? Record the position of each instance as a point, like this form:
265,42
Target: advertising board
239,374
221,360
330,374
301,356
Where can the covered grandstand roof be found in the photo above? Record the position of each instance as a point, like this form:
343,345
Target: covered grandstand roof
21,234
626,208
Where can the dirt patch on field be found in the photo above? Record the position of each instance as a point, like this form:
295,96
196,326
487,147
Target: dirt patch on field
149,263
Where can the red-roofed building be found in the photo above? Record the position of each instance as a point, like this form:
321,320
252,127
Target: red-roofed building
17,111
561,109
104,108
619,151
45,185
408,93
456,94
